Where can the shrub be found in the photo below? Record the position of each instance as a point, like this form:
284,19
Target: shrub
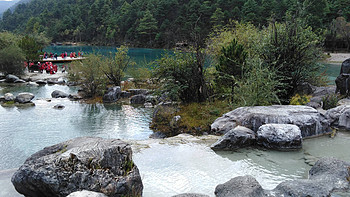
330,101
300,99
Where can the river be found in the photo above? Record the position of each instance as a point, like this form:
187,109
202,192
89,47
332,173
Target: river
168,167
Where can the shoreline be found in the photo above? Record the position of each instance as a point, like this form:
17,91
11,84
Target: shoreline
336,58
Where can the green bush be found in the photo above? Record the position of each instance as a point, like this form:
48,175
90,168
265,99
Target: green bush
330,101
300,99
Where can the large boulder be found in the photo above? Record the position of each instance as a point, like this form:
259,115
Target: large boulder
235,138
308,119
138,99
339,116
11,78
59,94
86,193
279,136
343,84
328,175
112,95
345,67
86,163
246,186
24,97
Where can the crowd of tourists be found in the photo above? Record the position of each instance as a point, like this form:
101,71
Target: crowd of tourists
47,67
62,55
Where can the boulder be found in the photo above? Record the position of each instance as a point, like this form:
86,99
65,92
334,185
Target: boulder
85,163
345,67
32,84
344,101
333,115
246,186
59,106
279,136
59,94
112,95
19,81
148,105
9,97
321,92
75,97
343,84
11,78
151,99
138,99
86,193
41,82
191,195
24,97
138,91
305,89
308,119
327,176
61,81
125,94
235,138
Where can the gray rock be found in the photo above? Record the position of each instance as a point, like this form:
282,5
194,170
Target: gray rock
112,95
19,81
2,99
246,186
9,97
2,80
59,94
345,101
41,82
345,67
148,105
157,135
279,136
309,120
138,91
343,84
326,176
11,78
24,97
191,195
324,91
75,97
86,163
125,94
235,138
333,115
32,84
61,81
138,99
305,89
151,99
86,193
59,106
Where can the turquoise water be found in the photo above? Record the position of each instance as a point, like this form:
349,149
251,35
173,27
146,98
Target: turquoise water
332,71
139,55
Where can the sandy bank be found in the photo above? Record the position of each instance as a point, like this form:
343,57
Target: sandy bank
43,76
337,57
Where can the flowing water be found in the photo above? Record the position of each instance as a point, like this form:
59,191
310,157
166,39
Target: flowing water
168,167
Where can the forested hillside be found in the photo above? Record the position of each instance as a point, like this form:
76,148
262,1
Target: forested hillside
161,23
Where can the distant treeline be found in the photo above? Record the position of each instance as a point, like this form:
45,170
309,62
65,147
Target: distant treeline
162,23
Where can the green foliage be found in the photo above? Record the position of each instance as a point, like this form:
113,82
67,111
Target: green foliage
89,74
30,48
330,101
114,68
11,56
300,99
181,76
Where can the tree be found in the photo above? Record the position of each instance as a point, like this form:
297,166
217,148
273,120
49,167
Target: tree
114,68
11,56
251,11
217,19
147,26
230,66
342,30
30,48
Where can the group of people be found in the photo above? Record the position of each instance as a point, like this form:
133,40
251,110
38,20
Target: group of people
63,55
48,67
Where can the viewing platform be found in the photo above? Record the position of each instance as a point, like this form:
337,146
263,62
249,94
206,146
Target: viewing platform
62,60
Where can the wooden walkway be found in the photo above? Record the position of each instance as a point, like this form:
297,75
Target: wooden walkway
62,60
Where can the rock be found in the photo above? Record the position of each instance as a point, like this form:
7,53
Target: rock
11,78
61,81
246,186
41,82
343,84
305,89
279,136
315,105
112,95
24,97
326,176
125,94
333,115
9,97
148,105
151,99
59,94
191,195
86,193
19,81
32,84
235,138
309,120
174,123
2,80
344,101
75,97
2,99
86,163
59,106
138,99
138,91
52,82
345,67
